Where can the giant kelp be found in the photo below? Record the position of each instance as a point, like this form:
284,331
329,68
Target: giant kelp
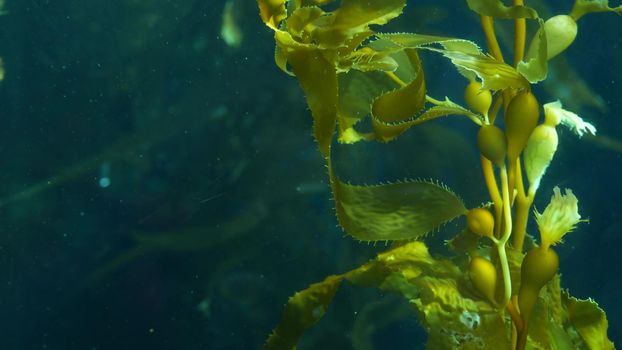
510,296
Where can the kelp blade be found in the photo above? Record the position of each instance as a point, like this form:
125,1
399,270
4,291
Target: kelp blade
405,102
318,79
387,132
272,12
590,322
495,75
433,287
448,306
302,311
352,17
583,7
395,211
535,67
496,8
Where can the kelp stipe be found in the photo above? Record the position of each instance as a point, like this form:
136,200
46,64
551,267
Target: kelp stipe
508,284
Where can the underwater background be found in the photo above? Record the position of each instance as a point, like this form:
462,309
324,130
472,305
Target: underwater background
160,187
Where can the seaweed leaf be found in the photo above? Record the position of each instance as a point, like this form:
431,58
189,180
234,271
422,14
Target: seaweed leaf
302,311
414,41
308,306
395,211
495,75
387,132
467,57
405,102
590,322
583,7
352,17
495,8
296,24
447,306
272,12
368,60
418,41
547,320
357,91
318,79
534,68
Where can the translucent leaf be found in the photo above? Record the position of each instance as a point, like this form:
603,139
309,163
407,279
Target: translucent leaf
546,322
351,17
494,75
272,12
465,242
368,60
305,3
299,19
408,261
590,322
455,321
357,91
495,8
443,298
280,58
308,306
356,13
466,56
413,41
318,80
395,211
302,311
405,102
583,7
354,42
534,67
387,132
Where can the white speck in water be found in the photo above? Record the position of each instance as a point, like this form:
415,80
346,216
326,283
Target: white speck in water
104,182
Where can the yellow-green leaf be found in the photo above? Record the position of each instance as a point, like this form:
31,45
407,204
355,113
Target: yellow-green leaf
308,306
591,323
395,211
534,68
417,41
357,91
387,132
368,60
296,24
546,324
403,103
352,17
318,79
454,321
272,12
413,41
496,8
305,3
467,57
280,58
465,242
447,108
302,311
583,7
494,75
